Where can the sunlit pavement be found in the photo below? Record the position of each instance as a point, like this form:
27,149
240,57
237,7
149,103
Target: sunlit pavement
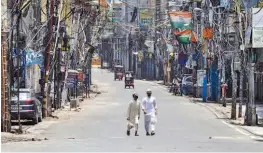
101,125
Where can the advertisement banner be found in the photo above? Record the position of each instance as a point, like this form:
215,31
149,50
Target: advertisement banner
257,30
146,17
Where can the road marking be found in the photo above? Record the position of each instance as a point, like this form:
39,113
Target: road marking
98,138
221,137
235,128
116,138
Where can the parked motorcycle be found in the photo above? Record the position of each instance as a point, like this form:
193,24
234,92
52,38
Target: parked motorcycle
175,87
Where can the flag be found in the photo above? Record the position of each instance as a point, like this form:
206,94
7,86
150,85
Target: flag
180,20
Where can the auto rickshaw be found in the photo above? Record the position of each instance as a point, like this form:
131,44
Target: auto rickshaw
129,80
118,72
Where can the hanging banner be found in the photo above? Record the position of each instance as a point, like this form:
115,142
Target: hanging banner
257,30
146,17
180,20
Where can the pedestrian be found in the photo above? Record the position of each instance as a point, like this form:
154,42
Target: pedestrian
149,108
133,114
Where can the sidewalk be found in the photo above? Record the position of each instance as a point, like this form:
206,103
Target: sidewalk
32,132
225,113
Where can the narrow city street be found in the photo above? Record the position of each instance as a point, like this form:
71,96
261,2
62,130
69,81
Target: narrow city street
101,125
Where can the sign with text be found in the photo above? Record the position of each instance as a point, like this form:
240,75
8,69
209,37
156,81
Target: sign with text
146,17
116,14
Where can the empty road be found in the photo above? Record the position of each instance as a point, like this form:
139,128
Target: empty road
101,125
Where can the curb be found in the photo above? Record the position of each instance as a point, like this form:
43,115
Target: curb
249,131
223,116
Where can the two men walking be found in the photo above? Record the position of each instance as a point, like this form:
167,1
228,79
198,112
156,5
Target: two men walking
149,108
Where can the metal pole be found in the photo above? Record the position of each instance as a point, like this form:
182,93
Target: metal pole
19,66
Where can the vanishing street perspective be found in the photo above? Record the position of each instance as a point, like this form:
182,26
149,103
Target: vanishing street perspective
131,75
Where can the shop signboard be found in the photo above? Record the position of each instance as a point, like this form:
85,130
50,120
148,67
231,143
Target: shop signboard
116,12
146,17
71,82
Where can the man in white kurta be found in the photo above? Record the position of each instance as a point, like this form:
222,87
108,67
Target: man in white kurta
149,108
133,115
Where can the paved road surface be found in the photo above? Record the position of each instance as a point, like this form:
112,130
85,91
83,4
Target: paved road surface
101,125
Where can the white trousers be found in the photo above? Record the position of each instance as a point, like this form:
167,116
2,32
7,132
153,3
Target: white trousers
149,123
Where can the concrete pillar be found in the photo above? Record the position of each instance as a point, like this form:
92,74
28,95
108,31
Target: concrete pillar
251,116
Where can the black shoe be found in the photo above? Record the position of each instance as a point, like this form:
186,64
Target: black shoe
147,134
136,133
152,133
128,133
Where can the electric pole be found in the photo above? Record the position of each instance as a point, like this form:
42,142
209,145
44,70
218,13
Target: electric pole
241,55
130,51
45,73
18,42
234,76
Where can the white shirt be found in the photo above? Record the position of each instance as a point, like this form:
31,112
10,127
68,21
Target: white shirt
149,105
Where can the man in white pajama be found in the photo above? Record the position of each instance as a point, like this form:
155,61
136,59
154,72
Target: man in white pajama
133,115
149,108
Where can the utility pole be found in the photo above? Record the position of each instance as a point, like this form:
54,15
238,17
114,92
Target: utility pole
10,55
130,50
18,11
234,77
241,55
45,73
